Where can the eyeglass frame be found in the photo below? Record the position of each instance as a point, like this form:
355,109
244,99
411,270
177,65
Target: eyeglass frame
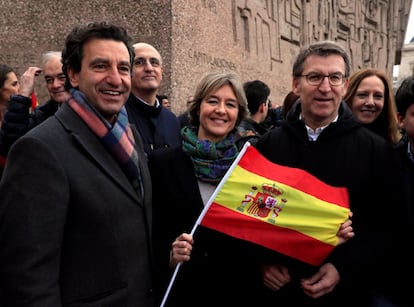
343,78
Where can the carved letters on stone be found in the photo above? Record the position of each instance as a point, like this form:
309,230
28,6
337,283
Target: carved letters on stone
258,23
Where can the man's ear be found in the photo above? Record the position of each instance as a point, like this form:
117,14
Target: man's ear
262,107
73,78
400,119
295,85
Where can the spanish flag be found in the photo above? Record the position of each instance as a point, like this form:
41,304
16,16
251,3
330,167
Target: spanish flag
281,208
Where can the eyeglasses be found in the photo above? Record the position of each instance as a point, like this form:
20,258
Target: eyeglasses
335,79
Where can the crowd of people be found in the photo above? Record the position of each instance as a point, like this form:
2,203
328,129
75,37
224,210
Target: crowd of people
101,185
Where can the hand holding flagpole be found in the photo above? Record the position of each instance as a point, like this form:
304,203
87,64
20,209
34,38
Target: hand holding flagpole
206,207
257,216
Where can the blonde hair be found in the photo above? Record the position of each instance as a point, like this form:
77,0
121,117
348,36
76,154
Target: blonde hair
212,82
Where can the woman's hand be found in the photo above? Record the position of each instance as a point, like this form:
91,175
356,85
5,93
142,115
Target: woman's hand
181,249
346,231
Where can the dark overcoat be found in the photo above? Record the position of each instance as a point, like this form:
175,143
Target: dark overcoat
73,231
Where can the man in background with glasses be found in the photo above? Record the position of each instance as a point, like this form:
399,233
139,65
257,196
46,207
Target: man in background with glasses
321,136
19,117
158,126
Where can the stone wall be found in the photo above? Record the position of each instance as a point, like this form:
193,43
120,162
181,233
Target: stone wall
257,38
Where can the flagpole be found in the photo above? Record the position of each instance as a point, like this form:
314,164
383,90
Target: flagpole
222,181
203,213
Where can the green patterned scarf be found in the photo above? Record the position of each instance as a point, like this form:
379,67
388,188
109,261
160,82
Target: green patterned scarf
211,160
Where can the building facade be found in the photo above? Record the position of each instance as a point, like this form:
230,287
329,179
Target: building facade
258,39
406,67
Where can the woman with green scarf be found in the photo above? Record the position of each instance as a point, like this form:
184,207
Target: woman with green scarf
216,270
184,178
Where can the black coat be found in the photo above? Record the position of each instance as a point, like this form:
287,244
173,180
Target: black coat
222,270
399,291
158,126
18,119
344,155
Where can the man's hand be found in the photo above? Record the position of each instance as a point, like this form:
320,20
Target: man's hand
27,81
275,276
322,282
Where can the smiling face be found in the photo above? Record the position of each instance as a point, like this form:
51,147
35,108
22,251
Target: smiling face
320,103
10,87
105,76
368,101
218,114
55,80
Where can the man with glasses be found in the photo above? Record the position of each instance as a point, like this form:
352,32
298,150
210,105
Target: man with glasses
321,136
19,119
158,126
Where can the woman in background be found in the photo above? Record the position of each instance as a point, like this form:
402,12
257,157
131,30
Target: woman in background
9,85
371,99
184,178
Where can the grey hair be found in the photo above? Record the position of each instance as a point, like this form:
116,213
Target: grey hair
47,56
322,48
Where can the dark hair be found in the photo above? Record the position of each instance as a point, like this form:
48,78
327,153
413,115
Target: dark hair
288,102
4,71
257,93
404,97
323,48
73,52
161,97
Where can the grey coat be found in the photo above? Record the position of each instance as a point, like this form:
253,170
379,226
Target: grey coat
73,231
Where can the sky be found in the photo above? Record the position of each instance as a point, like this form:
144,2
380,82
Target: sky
409,34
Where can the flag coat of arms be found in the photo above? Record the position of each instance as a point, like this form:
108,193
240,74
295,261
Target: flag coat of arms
281,208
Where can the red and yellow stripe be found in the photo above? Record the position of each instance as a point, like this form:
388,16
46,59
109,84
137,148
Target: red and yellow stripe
305,221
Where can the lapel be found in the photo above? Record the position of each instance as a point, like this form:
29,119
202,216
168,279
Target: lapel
145,175
86,139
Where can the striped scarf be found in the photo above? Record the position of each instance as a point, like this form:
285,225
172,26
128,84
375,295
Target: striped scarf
211,160
117,138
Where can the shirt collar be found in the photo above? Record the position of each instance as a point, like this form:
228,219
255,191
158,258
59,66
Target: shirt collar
157,103
314,134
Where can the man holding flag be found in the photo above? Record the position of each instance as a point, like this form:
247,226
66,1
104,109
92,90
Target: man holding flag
320,136
218,268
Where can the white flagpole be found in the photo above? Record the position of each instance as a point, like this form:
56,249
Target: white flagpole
203,213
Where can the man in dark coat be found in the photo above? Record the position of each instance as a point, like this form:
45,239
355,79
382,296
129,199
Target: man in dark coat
158,126
322,137
75,195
